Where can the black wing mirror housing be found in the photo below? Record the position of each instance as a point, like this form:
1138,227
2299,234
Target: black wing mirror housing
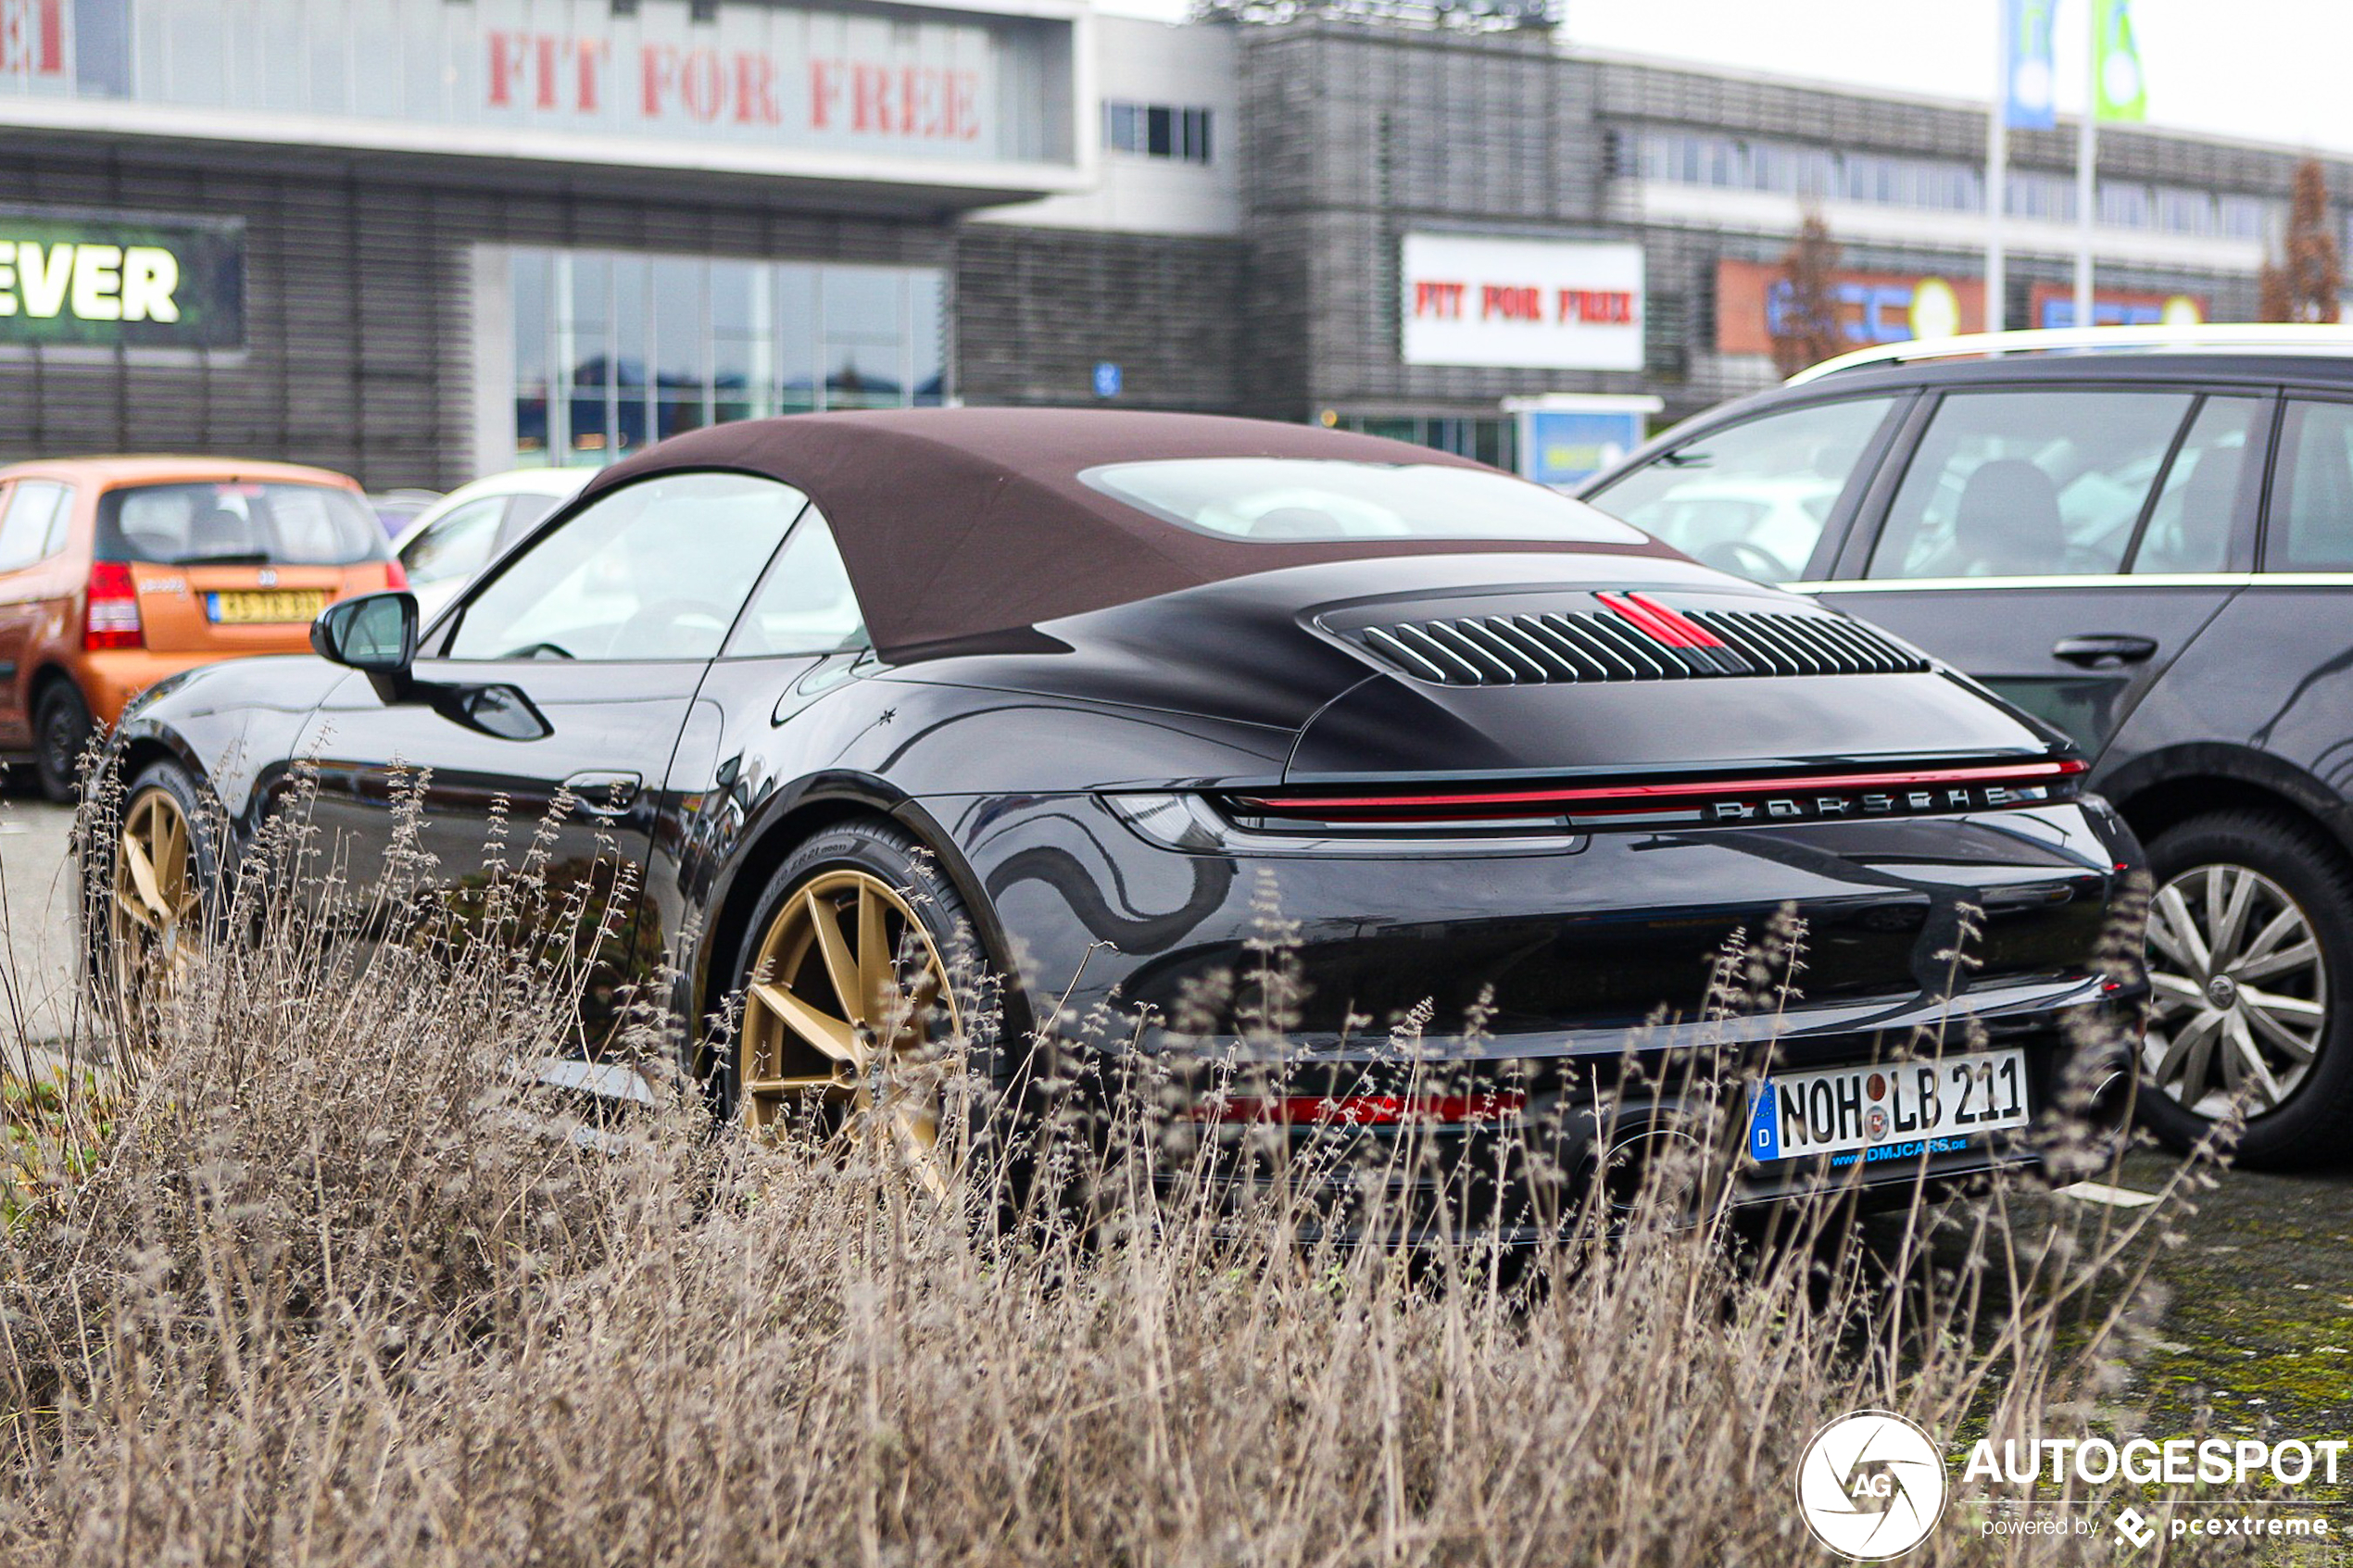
376,635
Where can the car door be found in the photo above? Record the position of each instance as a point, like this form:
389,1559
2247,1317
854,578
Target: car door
2276,672
33,513
547,710
2062,544
1766,498
800,635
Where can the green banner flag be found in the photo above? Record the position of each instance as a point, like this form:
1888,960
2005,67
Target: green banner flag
2116,62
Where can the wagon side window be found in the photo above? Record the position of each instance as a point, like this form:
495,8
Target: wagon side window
2310,528
1752,499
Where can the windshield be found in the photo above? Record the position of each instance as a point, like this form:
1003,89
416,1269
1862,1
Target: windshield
1303,500
235,522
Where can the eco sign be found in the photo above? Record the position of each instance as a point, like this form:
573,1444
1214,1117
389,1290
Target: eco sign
116,281
1753,301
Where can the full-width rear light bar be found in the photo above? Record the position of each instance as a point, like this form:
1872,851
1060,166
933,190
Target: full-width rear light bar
1804,796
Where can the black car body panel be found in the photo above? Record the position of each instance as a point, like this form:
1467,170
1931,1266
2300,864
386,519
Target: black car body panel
1125,797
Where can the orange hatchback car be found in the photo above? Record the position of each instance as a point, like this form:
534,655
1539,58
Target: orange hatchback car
118,571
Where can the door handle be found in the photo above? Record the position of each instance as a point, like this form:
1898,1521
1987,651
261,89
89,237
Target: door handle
604,794
2103,651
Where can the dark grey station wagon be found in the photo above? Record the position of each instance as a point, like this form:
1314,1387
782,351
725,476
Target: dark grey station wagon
2145,537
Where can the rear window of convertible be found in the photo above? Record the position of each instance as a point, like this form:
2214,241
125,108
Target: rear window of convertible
1295,500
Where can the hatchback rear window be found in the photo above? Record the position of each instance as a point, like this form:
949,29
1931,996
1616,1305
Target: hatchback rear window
237,523
1303,499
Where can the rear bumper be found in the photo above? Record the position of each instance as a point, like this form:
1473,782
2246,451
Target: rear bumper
1575,977
1473,1143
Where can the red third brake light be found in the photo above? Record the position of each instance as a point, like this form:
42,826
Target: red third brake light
1669,626
112,619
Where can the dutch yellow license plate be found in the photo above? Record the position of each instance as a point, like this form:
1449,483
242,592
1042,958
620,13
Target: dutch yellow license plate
263,605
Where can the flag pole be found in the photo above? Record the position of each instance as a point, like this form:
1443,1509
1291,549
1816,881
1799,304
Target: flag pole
2086,160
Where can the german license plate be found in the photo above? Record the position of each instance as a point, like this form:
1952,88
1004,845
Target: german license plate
247,607
1837,1110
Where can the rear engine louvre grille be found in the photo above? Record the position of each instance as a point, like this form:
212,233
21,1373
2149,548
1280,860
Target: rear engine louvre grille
1634,637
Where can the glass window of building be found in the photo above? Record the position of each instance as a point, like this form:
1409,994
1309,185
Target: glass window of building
2126,207
2184,211
2034,194
1167,131
1493,442
1693,157
2245,217
614,350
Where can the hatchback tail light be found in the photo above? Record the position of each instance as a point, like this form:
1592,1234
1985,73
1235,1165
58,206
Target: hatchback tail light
112,620
394,576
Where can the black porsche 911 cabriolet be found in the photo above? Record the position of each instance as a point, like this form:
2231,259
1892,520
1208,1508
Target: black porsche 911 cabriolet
1097,687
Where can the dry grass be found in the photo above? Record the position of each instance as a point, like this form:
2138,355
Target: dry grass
345,1287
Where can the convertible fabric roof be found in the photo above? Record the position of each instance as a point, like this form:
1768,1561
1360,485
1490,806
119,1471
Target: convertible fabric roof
955,524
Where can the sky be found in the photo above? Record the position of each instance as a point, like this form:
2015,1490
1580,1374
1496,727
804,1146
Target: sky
2269,70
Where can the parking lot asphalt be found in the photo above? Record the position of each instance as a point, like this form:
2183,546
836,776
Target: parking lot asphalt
37,890
2258,1325
2255,1332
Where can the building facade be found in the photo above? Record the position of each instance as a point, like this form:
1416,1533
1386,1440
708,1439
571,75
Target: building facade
1399,179
420,240
416,239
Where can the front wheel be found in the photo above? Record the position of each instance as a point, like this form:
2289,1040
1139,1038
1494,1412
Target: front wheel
2251,937
857,973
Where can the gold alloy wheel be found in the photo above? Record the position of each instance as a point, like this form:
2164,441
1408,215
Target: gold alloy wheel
848,993
156,907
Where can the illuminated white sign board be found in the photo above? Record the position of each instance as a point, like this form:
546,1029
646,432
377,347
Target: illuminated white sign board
1559,305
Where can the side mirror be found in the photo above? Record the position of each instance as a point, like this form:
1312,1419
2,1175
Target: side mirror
376,635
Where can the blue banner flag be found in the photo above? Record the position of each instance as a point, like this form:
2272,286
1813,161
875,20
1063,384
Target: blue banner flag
2029,101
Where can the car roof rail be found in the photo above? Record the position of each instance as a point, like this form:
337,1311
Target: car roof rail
2319,338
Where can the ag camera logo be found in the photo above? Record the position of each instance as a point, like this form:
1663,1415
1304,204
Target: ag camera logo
1870,1486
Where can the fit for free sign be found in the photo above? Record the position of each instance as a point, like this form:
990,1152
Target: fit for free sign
1558,305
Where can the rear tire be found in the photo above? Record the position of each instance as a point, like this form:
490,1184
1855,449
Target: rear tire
2251,954
61,727
798,1027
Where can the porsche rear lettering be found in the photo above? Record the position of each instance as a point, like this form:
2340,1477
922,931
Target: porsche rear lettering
1892,803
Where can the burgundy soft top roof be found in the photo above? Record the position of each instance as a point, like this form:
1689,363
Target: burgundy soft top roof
957,523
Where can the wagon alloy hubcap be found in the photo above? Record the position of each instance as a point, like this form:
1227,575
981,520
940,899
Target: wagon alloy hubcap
157,903
2241,991
848,992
